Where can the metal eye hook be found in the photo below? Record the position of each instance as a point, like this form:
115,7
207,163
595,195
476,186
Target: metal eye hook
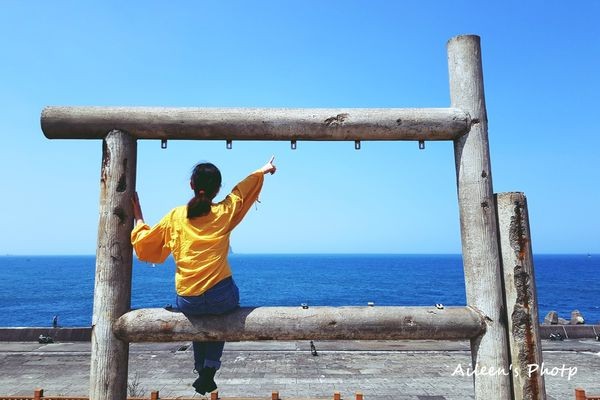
293,144
421,144
163,143
357,145
229,144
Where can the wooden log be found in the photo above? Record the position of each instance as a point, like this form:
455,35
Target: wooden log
478,219
296,323
255,123
521,296
112,291
580,394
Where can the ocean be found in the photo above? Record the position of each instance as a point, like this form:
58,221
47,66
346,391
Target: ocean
33,289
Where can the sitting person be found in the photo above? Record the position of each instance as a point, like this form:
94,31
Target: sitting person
197,235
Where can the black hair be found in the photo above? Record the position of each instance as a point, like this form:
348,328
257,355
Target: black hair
206,182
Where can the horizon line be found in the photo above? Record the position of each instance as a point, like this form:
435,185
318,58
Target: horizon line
296,254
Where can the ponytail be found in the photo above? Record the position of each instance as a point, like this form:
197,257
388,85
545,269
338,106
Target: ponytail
206,182
198,206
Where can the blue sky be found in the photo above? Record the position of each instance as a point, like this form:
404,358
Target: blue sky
540,58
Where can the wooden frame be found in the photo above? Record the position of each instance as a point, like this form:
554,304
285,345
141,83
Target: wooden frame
483,321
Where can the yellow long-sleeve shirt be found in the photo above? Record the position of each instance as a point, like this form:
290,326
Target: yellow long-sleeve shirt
199,245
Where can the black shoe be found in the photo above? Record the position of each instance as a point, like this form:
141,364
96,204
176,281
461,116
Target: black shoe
198,385
206,381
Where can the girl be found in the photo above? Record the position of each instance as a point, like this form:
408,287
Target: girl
197,235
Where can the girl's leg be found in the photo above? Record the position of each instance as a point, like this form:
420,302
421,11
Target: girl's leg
220,299
214,351
199,355
194,306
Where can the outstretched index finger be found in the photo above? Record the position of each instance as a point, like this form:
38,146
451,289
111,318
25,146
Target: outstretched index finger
271,160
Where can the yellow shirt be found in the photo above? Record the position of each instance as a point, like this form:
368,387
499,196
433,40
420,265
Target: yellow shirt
199,245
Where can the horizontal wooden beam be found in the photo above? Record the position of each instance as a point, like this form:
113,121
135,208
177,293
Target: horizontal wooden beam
297,323
256,123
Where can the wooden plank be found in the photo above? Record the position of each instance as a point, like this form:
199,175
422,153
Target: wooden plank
296,323
114,255
478,219
521,297
256,123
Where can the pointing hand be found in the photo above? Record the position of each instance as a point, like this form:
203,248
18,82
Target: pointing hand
269,168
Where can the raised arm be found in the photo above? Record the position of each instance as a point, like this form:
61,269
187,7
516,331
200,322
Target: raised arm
245,193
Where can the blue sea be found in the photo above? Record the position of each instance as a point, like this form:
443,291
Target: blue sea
33,289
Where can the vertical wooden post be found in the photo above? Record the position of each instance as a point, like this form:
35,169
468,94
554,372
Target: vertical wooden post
38,394
478,220
112,290
580,394
154,395
521,296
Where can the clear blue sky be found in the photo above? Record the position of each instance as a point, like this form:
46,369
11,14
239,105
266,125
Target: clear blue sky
541,64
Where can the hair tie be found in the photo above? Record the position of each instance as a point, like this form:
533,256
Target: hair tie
200,192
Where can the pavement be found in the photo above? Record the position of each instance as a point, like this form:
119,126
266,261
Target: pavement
382,370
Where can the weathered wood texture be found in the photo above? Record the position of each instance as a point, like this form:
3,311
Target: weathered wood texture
112,291
296,323
478,219
256,123
521,296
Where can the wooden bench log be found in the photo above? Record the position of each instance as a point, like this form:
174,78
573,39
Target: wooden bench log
256,123
297,323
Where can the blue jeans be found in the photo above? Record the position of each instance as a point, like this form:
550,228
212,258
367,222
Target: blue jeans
219,299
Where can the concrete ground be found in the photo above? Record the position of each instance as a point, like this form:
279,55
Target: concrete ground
383,370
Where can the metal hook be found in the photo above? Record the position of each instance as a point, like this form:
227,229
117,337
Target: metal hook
163,143
357,145
229,144
293,144
421,144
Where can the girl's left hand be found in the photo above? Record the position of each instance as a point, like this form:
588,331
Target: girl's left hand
137,209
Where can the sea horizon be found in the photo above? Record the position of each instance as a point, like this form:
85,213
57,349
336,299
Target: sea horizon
63,285
311,254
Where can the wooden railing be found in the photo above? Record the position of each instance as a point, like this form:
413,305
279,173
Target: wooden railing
580,395
299,323
38,394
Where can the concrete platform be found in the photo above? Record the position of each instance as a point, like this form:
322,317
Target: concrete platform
383,370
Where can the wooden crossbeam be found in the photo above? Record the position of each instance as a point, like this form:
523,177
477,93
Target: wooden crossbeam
256,123
297,323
